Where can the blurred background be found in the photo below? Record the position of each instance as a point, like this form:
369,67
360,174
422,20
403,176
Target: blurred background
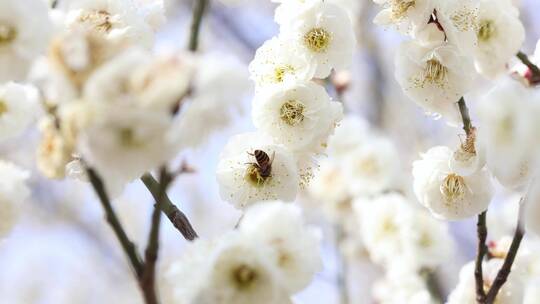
63,251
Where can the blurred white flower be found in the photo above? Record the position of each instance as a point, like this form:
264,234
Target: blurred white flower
445,193
434,77
299,117
19,107
277,63
371,167
54,151
294,247
243,180
406,287
507,115
24,34
324,34
406,15
381,220
532,291
121,20
532,208
511,292
459,19
13,193
500,36
217,91
351,132
329,187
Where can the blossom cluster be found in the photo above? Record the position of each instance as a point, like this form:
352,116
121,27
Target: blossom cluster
292,111
358,188
260,262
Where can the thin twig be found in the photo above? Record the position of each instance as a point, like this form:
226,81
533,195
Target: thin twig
504,272
481,251
467,125
535,71
198,11
148,280
177,217
127,245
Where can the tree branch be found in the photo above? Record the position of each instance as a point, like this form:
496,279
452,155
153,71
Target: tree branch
198,11
535,71
481,252
504,272
177,217
127,245
464,111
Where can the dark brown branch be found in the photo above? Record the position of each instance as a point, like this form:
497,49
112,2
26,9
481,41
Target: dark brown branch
127,245
467,125
198,11
177,217
506,268
534,78
481,251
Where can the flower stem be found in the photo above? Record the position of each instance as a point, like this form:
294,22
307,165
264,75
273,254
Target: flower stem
467,125
177,217
482,250
127,245
504,272
198,11
535,77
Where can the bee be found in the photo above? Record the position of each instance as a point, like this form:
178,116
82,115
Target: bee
263,162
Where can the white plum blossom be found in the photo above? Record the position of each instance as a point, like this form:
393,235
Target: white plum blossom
407,16
500,36
24,34
324,34
277,62
402,287
532,291
13,193
459,19
294,247
469,157
508,116
351,132
532,208
372,167
445,193
243,181
19,107
120,20
300,117
434,77
329,186
260,262
511,292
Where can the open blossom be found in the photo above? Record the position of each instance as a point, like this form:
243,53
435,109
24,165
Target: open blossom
459,19
300,117
13,192
445,193
371,167
508,118
511,292
121,20
500,36
406,15
435,77
294,247
279,63
324,34
243,180
260,262
24,34
351,132
19,106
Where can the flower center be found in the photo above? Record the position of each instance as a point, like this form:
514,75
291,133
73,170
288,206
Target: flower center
244,277
435,72
400,7
128,138
7,34
281,71
3,107
254,177
317,40
453,188
292,112
100,20
369,166
486,31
